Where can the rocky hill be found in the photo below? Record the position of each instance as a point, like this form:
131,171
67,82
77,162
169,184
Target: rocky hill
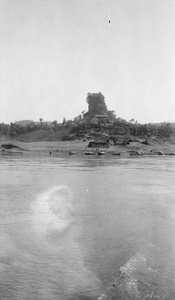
97,122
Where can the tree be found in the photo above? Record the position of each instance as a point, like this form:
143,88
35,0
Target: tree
4,128
78,118
132,121
12,129
136,123
111,115
54,123
83,113
41,121
64,121
165,130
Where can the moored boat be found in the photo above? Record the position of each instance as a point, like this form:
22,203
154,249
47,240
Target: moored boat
101,152
89,153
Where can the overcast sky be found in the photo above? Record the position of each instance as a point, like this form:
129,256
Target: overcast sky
53,52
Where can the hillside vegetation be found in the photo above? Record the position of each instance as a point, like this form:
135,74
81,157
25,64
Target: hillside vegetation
97,122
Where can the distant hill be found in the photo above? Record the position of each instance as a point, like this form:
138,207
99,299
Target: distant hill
27,122
97,122
23,122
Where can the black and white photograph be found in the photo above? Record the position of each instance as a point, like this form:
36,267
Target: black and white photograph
87,149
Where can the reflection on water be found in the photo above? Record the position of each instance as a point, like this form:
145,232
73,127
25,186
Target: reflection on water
87,228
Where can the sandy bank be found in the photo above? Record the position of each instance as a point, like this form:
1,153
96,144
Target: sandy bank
79,147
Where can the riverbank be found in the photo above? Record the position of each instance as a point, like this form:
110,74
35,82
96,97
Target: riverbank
154,147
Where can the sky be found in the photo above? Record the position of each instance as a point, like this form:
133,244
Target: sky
54,52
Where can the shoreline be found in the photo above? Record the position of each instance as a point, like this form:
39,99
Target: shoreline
79,147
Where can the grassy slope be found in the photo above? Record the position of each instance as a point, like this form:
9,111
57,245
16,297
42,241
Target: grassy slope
42,135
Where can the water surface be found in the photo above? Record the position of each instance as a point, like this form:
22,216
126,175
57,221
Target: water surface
87,228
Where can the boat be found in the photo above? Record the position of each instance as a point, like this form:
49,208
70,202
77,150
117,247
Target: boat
116,153
89,153
72,152
100,152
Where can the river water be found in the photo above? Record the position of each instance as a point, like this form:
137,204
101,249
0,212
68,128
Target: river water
87,228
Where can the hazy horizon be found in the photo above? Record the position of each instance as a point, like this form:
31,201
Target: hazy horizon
53,52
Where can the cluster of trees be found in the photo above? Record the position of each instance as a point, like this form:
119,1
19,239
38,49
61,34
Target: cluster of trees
17,128
96,106
13,129
160,130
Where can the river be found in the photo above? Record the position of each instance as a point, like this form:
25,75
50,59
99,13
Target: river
83,227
